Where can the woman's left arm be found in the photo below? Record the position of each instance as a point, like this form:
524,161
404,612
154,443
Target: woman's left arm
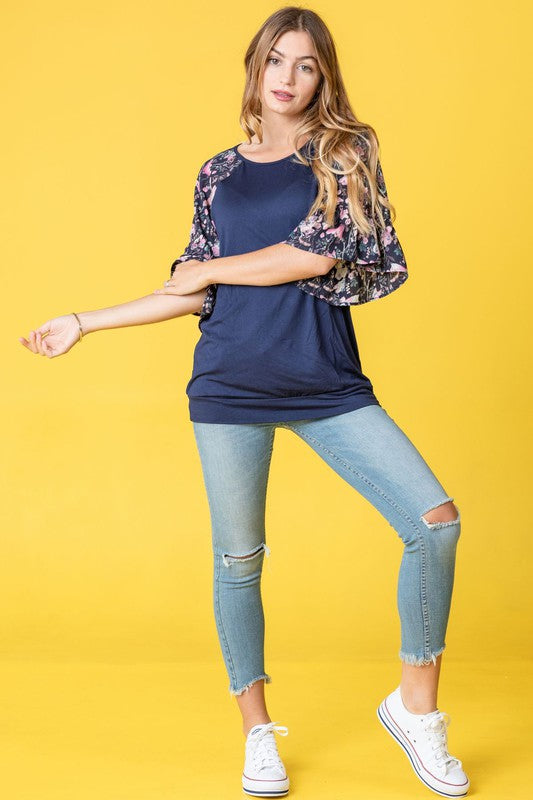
278,263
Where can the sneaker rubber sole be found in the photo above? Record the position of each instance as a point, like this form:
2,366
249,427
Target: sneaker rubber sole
409,750
264,792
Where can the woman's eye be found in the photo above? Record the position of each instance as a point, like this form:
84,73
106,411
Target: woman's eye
307,67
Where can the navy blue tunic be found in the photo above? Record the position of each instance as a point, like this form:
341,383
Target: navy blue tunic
271,353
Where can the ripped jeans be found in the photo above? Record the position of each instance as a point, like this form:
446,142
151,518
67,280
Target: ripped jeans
366,448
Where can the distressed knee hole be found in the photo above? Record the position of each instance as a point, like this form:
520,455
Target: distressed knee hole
442,516
228,558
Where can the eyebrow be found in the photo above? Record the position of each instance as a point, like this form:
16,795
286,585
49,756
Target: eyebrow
301,58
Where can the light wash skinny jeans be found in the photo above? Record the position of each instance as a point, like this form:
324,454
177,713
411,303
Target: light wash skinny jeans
366,448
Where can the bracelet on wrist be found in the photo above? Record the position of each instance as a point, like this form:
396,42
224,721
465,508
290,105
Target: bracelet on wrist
79,324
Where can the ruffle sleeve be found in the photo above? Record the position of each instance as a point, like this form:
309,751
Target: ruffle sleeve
370,266
201,241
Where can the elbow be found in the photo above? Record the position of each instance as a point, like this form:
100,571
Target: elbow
323,264
328,264
313,263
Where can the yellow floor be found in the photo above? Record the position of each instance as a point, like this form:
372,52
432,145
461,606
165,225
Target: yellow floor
155,731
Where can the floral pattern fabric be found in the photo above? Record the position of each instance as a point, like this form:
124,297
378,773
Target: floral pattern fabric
368,267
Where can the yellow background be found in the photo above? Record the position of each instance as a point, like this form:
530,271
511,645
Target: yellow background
108,642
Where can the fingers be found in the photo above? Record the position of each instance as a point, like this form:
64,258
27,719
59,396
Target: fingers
43,329
169,287
35,343
46,348
38,341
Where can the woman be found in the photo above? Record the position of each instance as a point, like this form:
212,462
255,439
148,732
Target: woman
291,228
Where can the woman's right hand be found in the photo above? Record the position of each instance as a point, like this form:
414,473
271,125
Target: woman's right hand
53,338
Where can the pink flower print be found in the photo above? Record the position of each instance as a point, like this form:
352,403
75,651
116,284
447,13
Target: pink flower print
306,227
338,231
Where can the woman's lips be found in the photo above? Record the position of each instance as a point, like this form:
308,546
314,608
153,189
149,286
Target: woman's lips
283,95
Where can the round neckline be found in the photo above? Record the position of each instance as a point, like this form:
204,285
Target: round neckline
303,148
260,163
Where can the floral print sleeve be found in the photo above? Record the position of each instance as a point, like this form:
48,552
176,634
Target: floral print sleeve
201,241
369,266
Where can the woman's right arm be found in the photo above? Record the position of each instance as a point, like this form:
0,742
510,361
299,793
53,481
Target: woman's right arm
143,311
58,335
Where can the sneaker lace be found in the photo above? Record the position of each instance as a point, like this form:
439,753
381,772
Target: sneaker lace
436,730
265,753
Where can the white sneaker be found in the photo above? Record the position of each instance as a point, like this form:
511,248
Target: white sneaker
264,774
424,739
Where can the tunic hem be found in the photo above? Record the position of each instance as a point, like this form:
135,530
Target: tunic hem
213,410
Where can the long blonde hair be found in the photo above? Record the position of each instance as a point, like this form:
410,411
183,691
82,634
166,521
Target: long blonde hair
337,137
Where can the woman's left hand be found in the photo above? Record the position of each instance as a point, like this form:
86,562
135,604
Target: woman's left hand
189,277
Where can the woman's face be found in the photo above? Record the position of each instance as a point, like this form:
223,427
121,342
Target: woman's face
291,67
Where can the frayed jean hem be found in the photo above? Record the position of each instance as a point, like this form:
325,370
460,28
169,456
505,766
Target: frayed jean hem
264,677
417,661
